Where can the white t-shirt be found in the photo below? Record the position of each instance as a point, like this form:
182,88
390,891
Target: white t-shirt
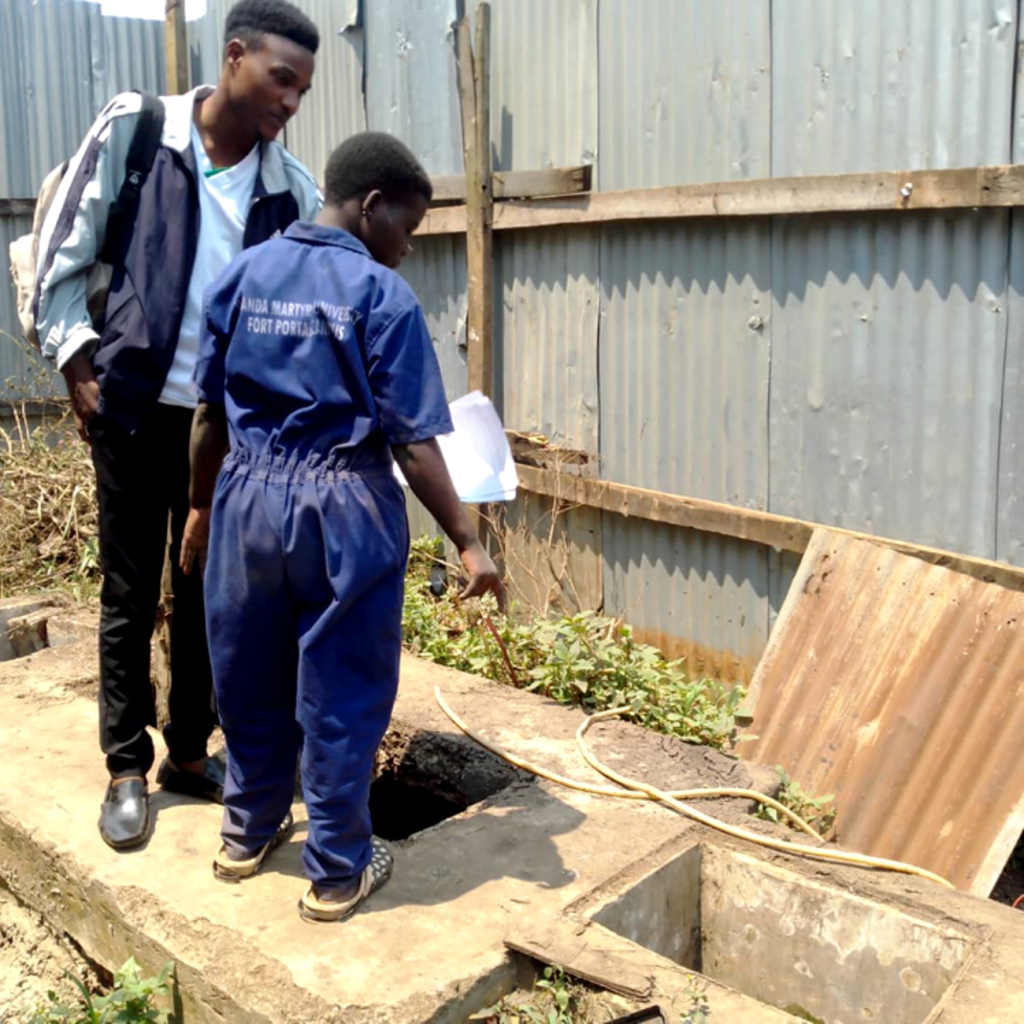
223,208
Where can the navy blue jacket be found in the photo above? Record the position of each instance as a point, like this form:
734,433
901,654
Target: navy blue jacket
134,351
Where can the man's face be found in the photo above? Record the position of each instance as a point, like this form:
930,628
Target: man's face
389,224
268,83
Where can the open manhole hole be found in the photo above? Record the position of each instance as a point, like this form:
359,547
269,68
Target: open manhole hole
401,809
816,951
425,777
31,624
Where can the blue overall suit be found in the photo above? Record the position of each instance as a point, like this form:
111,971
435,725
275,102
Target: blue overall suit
322,359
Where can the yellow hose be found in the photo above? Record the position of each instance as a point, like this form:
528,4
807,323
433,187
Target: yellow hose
622,794
640,790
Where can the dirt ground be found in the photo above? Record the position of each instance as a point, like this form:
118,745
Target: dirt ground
34,961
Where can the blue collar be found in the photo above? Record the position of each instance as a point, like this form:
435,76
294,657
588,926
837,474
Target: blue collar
320,234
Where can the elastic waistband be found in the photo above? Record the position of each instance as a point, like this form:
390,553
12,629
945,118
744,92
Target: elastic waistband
337,464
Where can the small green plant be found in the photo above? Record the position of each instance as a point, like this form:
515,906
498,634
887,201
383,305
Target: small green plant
815,810
132,1000
699,1010
554,1001
586,659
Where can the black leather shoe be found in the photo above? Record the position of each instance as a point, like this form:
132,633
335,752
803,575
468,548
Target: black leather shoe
124,813
208,786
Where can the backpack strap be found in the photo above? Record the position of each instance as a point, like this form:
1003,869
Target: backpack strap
141,153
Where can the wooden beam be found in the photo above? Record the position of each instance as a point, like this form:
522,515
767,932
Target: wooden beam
443,220
554,181
894,191
673,509
561,944
449,188
17,207
176,48
741,523
475,103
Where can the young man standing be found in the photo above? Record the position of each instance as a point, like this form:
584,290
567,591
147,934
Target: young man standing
219,183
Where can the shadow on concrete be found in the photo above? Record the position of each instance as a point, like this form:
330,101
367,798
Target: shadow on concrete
509,836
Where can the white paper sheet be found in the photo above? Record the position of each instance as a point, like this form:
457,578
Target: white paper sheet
477,454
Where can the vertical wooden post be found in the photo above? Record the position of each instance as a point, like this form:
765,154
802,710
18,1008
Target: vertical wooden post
475,104
176,47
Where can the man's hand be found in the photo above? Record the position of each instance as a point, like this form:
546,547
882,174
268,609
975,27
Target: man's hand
84,392
195,539
483,574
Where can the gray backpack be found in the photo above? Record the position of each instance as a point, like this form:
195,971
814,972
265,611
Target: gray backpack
24,251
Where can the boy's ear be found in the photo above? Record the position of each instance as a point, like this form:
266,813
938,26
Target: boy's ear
371,201
234,52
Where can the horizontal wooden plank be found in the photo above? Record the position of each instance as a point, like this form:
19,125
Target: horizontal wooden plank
781,532
443,220
969,187
552,181
449,188
659,507
17,207
560,946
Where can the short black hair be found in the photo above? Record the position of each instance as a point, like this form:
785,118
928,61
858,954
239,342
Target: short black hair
251,20
374,160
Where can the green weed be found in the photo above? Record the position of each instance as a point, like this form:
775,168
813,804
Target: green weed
815,810
132,1001
587,659
555,1000
699,1010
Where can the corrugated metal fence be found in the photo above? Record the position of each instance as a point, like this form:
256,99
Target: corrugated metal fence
858,370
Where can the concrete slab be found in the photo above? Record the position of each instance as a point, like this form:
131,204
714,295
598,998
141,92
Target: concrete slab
428,947
14,608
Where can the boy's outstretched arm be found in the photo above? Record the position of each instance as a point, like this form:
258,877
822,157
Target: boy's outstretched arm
423,467
207,447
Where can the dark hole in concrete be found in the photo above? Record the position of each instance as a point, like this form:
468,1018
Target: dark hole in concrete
23,627
399,809
1010,884
819,952
425,777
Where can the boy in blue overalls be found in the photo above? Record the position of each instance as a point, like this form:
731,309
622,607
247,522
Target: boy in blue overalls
317,367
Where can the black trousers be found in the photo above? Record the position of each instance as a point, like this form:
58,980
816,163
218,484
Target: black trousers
141,479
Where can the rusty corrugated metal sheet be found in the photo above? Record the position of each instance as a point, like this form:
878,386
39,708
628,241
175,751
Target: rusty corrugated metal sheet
889,333
1010,495
546,328
896,685
685,92
684,376
874,85
685,334
23,373
694,595
888,347
1009,545
411,88
48,102
60,61
436,271
547,117
335,107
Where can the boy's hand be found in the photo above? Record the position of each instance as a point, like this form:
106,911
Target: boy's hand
483,574
196,537
84,392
